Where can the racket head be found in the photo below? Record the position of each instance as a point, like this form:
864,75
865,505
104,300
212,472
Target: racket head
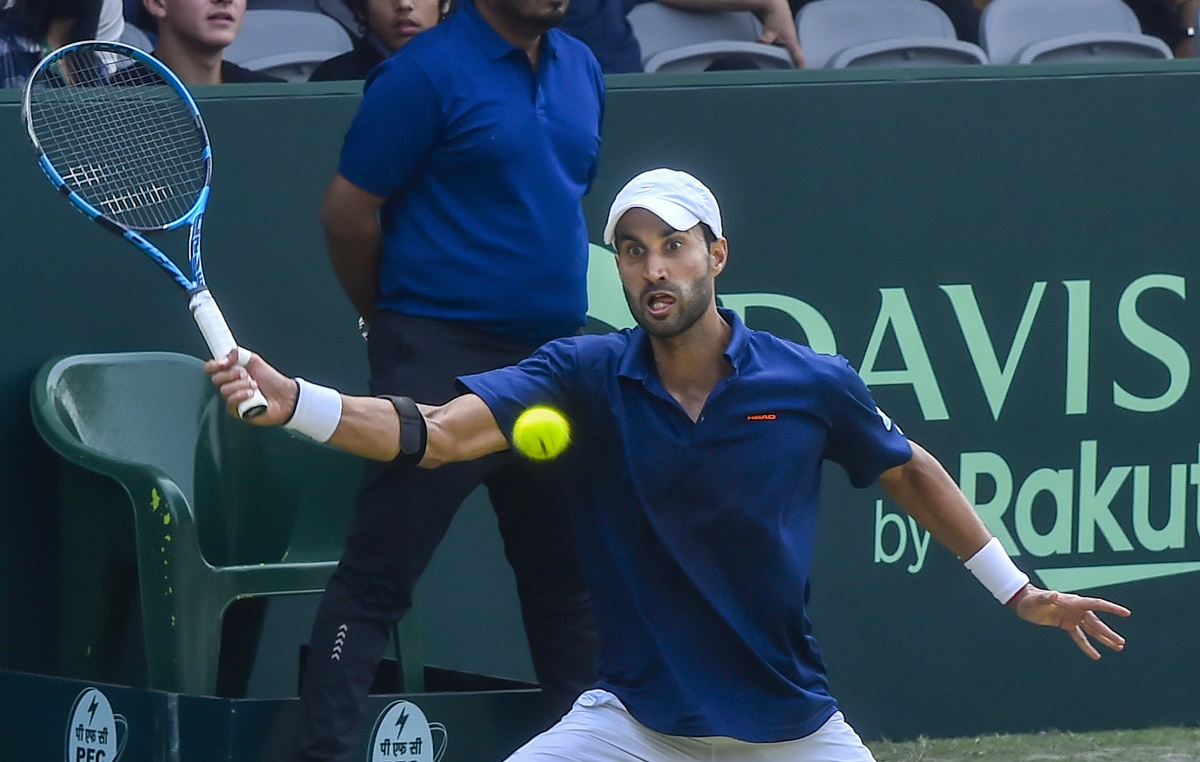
119,134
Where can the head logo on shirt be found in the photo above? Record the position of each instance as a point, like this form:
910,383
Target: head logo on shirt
761,417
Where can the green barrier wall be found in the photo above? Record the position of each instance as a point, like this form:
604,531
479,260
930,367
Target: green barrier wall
51,718
1005,253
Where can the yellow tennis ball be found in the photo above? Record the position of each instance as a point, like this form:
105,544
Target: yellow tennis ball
541,433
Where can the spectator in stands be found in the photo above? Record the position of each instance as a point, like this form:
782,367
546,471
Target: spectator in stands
193,35
603,27
29,29
384,27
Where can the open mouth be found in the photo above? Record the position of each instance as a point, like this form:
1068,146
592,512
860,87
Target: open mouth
659,303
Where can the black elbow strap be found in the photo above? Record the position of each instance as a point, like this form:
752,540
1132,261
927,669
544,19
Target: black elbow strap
413,432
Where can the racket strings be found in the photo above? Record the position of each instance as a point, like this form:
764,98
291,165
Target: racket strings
121,137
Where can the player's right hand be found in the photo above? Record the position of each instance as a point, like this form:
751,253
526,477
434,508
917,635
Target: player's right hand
237,383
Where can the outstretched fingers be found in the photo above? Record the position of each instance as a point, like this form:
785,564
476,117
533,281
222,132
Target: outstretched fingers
1076,614
1092,625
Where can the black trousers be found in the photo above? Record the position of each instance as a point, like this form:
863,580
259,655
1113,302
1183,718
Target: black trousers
403,512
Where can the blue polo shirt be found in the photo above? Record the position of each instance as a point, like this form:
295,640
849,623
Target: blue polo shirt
484,162
697,537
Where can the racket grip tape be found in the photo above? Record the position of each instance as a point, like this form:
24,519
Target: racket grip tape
220,342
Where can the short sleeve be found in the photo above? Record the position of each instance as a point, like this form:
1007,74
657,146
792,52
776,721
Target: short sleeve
863,439
544,378
397,123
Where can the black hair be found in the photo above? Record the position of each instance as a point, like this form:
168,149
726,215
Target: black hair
359,9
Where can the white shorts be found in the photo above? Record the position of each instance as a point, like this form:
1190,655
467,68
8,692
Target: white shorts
599,729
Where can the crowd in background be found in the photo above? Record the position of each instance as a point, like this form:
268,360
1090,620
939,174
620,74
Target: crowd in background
193,48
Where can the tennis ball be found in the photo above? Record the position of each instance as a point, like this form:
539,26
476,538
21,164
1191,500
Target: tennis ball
541,433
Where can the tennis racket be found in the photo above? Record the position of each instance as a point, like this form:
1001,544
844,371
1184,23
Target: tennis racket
121,138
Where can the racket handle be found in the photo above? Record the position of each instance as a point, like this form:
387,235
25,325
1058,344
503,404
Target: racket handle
220,342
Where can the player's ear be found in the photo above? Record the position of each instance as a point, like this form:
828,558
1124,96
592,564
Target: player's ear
718,255
156,8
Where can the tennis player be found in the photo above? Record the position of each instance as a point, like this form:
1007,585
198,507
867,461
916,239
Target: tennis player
704,442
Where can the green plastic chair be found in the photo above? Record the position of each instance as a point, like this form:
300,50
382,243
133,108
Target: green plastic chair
161,490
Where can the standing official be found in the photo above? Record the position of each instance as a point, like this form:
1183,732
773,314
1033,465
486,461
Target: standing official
454,224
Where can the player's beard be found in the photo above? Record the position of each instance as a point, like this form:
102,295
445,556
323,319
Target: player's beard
691,302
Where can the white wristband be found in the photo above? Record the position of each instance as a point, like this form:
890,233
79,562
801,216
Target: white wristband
318,411
992,566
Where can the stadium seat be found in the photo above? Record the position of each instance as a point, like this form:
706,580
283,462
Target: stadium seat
287,43
836,34
676,40
1052,31
335,9
163,493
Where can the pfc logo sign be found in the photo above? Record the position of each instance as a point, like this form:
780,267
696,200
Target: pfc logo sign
94,733
402,734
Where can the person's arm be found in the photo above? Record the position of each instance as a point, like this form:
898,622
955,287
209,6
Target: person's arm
354,241
923,489
462,429
779,25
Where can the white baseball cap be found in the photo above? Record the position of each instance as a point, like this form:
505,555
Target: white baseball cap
679,199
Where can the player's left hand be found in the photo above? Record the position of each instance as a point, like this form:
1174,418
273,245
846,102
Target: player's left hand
1074,613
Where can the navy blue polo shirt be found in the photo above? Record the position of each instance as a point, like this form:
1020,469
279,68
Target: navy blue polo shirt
697,537
484,162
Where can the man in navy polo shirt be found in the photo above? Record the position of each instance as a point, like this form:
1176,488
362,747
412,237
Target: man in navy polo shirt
703,442
454,224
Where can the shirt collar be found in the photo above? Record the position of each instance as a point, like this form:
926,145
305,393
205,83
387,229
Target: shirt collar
637,362
489,40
